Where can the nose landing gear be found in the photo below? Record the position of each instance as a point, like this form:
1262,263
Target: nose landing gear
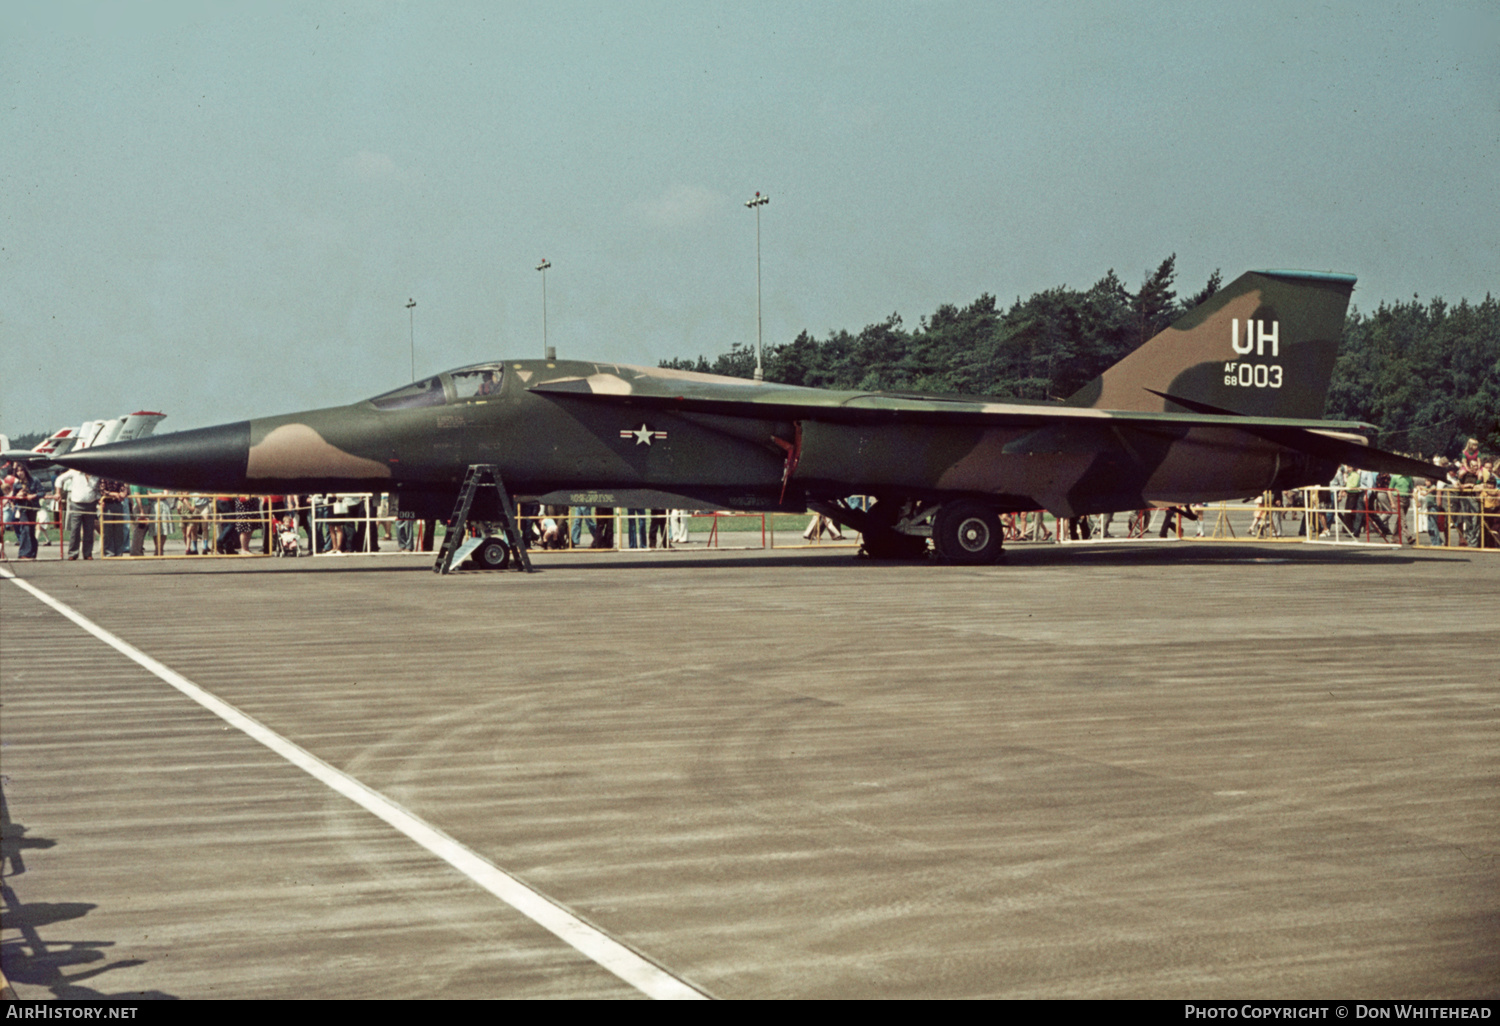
492,554
489,552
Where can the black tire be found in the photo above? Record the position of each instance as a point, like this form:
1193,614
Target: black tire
492,554
967,532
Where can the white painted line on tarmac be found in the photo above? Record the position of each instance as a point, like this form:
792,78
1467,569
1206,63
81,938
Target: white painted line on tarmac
635,969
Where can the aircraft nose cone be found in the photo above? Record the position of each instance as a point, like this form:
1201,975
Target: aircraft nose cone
203,460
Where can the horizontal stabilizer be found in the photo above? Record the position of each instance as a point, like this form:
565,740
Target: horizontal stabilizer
30,457
1337,448
1324,445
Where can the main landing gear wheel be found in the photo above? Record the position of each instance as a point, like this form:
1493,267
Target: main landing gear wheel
492,554
967,532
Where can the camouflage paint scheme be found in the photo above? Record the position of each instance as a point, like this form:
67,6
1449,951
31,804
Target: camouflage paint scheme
1224,403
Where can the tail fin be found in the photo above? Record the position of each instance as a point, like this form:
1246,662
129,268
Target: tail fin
1262,346
138,425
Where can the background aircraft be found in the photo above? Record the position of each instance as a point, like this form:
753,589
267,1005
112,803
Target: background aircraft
71,439
89,433
1224,403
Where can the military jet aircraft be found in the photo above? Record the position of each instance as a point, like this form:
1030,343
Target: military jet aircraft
1224,403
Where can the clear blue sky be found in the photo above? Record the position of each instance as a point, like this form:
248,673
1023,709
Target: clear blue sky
220,211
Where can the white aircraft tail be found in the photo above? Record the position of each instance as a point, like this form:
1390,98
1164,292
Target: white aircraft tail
91,433
137,425
117,429
87,432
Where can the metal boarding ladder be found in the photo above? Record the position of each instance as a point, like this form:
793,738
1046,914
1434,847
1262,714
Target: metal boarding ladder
453,541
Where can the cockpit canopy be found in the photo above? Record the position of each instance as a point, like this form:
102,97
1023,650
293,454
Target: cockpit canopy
465,384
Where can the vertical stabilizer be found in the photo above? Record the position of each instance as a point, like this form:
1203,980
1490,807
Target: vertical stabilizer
1262,346
109,430
87,432
138,425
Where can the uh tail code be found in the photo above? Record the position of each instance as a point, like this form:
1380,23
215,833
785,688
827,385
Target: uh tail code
1254,375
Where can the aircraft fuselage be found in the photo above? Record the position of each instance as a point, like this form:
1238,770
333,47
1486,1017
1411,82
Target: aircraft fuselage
546,443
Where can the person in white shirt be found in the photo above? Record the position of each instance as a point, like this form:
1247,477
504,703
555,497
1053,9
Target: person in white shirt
80,494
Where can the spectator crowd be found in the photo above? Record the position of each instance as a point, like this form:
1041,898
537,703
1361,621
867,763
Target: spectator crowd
1461,508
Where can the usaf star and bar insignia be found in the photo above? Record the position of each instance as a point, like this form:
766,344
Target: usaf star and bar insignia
642,435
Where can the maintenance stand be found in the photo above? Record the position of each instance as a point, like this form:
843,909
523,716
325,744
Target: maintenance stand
487,551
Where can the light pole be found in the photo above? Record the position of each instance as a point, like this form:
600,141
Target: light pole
411,305
755,204
546,353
